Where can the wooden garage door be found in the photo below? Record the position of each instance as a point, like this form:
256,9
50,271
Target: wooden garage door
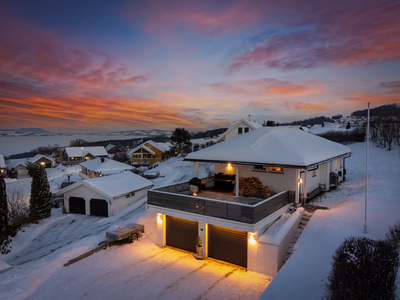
228,245
182,233
99,207
77,205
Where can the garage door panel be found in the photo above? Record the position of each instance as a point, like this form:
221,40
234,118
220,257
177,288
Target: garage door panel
182,233
98,207
228,245
77,205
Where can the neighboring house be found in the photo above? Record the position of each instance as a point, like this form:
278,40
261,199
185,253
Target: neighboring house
148,153
102,167
105,196
295,165
78,154
238,128
2,164
42,160
18,165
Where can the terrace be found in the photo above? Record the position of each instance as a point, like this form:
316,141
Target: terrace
216,200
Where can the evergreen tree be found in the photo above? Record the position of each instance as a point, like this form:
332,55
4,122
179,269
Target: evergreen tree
5,230
40,202
180,137
348,125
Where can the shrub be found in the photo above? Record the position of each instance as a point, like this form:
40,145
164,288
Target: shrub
363,269
394,235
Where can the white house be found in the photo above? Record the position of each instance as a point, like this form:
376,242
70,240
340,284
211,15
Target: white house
105,196
292,163
42,160
78,154
238,128
18,165
102,167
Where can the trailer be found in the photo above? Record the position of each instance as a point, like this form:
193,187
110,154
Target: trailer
129,232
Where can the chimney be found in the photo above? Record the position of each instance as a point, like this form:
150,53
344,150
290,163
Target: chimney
250,118
102,159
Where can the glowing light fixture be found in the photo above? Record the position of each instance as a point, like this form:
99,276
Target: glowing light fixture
300,180
159,219
42,163
194,194
229,166
251,239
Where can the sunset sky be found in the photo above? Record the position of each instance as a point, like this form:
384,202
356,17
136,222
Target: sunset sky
90,66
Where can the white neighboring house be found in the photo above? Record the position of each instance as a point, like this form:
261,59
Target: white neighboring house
78,154
102,167
294,164
42,160
105,196
18,165
2,164
238,128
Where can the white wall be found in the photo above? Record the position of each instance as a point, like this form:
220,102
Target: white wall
87,194
123,202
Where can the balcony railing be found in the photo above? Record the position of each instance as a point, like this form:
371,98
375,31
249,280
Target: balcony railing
173,197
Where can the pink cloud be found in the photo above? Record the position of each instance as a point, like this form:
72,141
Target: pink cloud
342,33
263,87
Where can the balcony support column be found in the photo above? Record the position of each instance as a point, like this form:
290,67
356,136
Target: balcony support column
297,188
305,187
237,180
196,169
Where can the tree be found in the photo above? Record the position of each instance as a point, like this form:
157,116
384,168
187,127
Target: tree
40,202
5,230
348,126
180,137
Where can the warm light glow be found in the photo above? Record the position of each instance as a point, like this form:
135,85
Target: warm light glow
300,180
251,239
72,158
42,163
194,194
159,219
229,166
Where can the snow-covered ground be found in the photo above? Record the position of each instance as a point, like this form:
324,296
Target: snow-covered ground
142,270
308,268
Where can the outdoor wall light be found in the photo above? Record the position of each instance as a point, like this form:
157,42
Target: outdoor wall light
42,163
251,239
229,166
300,180
159,219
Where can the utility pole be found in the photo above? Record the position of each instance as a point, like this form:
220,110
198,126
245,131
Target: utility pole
366,175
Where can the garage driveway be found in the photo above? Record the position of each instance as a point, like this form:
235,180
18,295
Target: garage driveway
144,271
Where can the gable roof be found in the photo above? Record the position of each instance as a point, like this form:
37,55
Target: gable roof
141,146
109,147
2,161
108,166
82,151
13,163
274,146
37,157
252,124
113,186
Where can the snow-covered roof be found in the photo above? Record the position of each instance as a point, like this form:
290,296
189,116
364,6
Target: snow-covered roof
82,151
273,146
108,166
2,161
13,163
109,147
37,157
142,146
113,186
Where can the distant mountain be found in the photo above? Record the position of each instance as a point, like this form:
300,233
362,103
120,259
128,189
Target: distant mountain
388,110
34,130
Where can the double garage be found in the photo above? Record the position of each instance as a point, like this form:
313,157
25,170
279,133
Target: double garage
98,207
223,243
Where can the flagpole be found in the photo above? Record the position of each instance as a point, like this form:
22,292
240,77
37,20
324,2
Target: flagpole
366,174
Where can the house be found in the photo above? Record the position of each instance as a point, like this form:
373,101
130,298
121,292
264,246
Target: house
19,165
43,160
105,196
238,128
148,152
2,164
102,167
291,165
78,154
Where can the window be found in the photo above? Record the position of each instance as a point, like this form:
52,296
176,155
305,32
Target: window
128,195
240,130
132,194
276,169
136,155
260,168
246,129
